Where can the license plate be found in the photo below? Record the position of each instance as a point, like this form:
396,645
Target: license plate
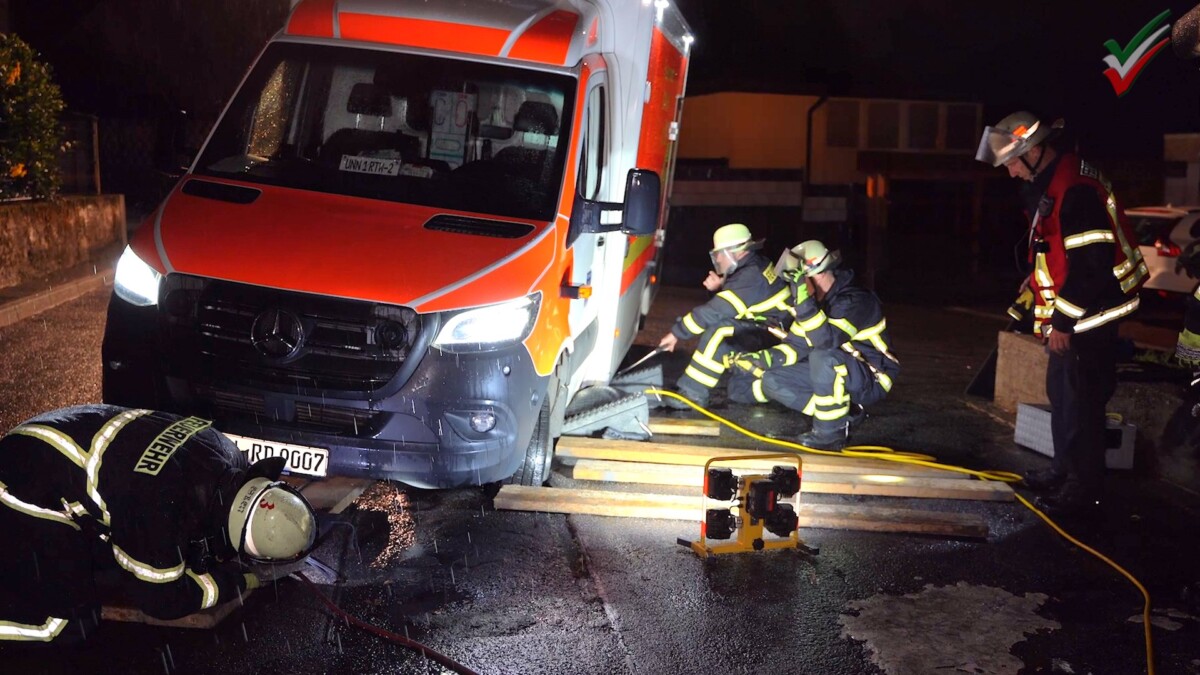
300,458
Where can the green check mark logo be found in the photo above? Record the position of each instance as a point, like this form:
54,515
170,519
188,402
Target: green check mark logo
1126,63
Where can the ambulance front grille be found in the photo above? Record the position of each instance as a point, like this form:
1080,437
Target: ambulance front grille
341,345
325,418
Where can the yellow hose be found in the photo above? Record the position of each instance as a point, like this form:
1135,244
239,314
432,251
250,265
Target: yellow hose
891,455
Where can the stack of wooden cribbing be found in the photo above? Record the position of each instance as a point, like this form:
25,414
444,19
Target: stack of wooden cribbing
677,464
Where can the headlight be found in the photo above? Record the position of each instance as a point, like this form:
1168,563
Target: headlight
136,282
489,327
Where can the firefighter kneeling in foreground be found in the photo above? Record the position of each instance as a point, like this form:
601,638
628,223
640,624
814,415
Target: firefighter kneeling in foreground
834,359
167,504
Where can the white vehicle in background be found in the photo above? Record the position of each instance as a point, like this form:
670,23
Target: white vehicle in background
1169,238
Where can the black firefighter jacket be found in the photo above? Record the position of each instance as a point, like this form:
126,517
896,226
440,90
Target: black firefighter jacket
151,488
752,290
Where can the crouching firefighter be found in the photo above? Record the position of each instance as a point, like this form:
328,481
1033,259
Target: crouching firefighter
746,285
834,359
164,505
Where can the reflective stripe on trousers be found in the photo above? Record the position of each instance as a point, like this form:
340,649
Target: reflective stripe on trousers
23,632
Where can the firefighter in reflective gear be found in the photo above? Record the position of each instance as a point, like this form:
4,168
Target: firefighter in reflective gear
1087,271
165,504
835,359
746,285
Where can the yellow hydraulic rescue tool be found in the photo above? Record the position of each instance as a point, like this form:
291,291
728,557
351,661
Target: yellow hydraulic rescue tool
755,503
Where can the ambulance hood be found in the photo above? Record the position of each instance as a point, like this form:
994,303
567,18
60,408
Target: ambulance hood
426,258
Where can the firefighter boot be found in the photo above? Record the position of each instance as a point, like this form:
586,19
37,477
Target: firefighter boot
826,435
696,395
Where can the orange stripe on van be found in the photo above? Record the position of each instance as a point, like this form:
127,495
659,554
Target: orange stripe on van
644,250
424,33
661,109
548,40
313,18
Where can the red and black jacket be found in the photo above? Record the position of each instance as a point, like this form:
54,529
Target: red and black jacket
1087,268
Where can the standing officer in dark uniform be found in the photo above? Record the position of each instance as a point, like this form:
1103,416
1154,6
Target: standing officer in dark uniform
167,503
746,286
1087,271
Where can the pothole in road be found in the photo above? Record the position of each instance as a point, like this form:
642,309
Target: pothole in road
960,628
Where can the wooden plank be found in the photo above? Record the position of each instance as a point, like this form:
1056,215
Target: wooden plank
208,618
880,485
669,426
885,519
682,507
574,448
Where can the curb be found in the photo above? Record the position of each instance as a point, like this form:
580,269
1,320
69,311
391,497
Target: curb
22,308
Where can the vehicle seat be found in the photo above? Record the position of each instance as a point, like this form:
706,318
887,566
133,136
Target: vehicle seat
371,101
536,117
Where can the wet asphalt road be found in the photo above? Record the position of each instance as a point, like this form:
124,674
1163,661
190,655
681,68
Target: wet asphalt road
509,592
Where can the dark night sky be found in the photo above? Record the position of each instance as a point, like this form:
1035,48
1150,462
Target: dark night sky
1037,54
1044,55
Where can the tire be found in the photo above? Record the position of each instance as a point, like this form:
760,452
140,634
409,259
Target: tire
539,456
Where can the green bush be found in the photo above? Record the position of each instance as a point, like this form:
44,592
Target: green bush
30,132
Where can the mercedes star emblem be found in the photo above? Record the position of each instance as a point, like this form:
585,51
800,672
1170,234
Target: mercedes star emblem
277,333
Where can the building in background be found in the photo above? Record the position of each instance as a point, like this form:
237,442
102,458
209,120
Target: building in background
885,179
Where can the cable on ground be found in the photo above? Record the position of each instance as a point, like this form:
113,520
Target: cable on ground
386,634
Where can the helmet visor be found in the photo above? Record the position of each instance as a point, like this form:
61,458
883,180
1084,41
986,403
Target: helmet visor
998,146
715,254
787,262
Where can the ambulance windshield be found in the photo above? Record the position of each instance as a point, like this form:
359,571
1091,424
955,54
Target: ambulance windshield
424,130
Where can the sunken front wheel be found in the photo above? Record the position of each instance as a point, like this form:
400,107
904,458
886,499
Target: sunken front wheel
535,468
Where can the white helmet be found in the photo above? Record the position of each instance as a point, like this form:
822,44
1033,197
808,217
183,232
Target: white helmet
809,258
733,236
271,522
1014,136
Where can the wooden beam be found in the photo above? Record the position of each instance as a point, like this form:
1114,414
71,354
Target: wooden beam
573,448
669,426
880,485
680,507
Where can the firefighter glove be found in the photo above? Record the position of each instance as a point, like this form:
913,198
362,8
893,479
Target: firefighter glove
801,291
753,362
771,324
267,572
740,361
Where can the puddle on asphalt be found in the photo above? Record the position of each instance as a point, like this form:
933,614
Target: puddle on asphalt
946,629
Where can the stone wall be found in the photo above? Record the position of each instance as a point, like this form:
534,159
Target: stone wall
38,238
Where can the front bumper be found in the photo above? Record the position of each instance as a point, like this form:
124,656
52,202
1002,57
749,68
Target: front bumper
414,429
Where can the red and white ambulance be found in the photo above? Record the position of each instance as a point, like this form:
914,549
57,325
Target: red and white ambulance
416,231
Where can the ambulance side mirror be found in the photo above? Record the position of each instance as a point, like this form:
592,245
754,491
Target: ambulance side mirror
643,194
639,211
